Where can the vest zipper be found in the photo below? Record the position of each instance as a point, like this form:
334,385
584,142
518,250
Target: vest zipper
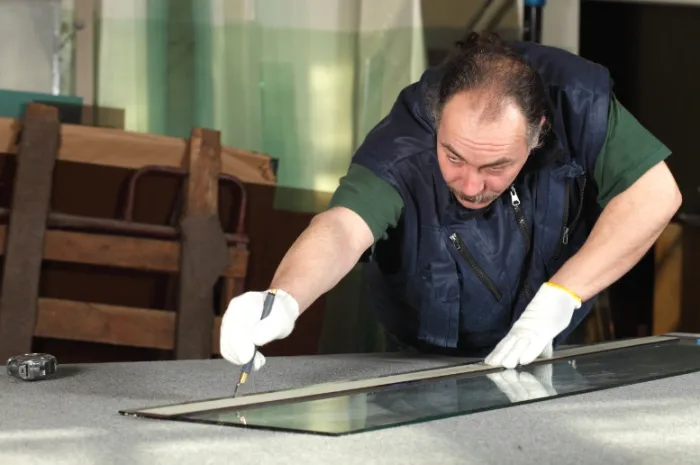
565,223
566,227
581,188
522,224
481,274
520,218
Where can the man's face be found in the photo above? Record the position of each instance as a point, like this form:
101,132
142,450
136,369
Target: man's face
480,159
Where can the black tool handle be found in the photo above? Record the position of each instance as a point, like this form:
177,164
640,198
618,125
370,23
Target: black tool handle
267,308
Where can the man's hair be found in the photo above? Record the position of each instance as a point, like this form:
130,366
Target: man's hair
488,65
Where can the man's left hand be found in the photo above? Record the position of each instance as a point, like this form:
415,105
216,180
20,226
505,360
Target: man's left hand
548,314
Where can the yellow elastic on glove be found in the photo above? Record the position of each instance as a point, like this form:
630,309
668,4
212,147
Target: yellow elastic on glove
558,286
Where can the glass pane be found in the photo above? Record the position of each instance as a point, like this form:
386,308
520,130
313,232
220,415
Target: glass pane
426,400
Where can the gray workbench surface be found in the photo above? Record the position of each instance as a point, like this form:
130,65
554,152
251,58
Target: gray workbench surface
73,420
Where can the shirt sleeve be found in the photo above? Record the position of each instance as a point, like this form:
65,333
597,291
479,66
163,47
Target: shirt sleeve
629,151
373,199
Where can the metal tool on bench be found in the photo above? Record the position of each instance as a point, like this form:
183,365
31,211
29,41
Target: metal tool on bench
32,367
245,371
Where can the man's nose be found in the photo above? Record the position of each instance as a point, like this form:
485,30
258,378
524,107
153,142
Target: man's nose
472,184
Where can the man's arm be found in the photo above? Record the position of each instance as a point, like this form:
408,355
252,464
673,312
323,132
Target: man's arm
627,227
362,209
360,212
639,197
322,255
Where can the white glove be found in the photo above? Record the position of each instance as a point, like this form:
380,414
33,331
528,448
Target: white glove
242,329
548,314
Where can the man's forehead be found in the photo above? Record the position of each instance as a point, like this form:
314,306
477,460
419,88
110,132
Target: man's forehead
476,113
479,141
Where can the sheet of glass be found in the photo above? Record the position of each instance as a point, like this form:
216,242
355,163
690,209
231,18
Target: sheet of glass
469,393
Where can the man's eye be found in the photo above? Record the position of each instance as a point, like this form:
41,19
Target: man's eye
497,169
452,159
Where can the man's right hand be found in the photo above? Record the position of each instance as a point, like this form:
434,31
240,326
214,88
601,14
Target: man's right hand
242,329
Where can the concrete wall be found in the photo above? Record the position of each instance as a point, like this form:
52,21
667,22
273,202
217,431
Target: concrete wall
561,24
27,38
445,21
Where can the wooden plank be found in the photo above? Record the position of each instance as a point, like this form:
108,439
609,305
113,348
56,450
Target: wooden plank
345,387
25,237
133,150
203,247
109,324
668,279
124,252
203,167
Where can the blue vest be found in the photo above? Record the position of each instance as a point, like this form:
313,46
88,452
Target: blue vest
449,279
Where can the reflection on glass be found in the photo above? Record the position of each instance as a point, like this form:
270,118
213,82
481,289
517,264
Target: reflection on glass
426,400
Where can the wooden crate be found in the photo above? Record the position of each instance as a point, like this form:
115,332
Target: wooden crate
34,234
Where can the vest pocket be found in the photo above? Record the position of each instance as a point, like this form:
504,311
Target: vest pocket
435,293
444,281
458,243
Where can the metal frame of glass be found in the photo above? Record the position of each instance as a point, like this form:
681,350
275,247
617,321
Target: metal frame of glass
340,408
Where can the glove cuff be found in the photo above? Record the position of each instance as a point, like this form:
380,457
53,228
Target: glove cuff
571,294
290,304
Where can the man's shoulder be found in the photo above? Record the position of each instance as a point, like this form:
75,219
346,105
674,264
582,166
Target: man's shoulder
580,94
630,150
565,69
371,197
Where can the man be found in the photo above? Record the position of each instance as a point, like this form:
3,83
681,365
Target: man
501,194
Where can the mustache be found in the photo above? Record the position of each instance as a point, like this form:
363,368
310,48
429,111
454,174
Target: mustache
480,198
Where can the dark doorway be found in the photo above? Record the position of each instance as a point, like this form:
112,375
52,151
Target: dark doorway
651,53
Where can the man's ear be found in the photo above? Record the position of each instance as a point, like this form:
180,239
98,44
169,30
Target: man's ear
536,143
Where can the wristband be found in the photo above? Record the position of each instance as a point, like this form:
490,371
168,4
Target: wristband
560,287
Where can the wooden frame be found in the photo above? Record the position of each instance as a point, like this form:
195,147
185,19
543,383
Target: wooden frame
35,234
94,322
126,149
118,251
111,324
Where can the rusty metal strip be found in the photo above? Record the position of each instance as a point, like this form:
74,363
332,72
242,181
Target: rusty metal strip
31,199
203,251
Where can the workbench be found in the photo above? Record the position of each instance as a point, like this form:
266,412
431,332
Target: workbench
73,419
